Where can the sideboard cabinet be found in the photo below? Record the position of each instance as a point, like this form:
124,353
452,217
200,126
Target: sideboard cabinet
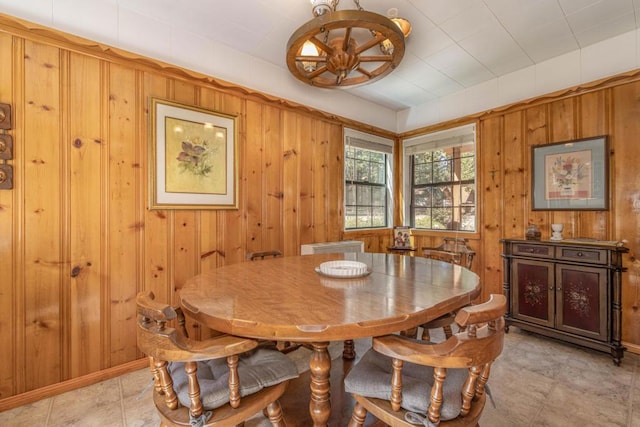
569,290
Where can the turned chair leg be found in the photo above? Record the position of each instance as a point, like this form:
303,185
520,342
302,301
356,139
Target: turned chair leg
358,416
274,412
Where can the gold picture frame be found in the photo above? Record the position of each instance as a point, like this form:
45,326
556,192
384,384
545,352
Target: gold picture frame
193,154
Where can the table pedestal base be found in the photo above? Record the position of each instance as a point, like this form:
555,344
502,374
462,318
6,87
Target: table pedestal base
320,368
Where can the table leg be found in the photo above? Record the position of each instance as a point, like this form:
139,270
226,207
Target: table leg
320,368
349,350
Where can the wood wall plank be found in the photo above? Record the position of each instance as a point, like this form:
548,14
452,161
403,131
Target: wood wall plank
183,246
233,229
515,187
9,210
305,149
290,170
85,213
210,252
490,185
319,191
626,128
594,120
253,179
125,220
44,243
273,193
562,127
156,222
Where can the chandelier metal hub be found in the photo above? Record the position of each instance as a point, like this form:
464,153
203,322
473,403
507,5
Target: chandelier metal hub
343,61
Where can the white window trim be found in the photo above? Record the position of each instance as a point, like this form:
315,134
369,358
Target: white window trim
371,142
457,136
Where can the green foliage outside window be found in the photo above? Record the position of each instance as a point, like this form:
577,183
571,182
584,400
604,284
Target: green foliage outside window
365,188
443,189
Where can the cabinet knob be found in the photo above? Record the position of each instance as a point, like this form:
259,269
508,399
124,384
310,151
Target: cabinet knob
550,288
580,254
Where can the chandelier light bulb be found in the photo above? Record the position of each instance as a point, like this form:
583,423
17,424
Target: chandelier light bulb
309,49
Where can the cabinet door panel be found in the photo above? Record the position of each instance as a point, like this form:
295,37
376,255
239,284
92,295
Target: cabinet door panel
582,300
532,285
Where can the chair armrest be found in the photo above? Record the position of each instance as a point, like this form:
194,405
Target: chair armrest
150,308
455,352
171,346
481,313
421,352
161,342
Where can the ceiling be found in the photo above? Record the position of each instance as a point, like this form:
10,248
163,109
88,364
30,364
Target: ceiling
454,44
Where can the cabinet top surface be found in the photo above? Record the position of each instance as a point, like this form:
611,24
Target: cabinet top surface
602,244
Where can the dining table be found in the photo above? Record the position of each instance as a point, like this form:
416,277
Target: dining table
292,299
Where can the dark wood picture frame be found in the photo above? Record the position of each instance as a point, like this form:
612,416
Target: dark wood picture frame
571,175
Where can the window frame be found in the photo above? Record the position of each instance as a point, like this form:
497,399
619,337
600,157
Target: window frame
370,142
450,138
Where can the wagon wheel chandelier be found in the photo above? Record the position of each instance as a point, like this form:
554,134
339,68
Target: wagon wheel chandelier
339,48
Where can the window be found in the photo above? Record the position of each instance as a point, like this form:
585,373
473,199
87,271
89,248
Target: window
440,180
367,180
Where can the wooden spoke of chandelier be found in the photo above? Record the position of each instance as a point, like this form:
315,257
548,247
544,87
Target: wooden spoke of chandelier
312,75
323,58
379,38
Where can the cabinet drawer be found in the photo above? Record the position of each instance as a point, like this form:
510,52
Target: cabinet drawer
532,250
592,256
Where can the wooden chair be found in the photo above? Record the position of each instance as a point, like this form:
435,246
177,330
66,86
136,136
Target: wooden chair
445,382
252,256
221,381
454,251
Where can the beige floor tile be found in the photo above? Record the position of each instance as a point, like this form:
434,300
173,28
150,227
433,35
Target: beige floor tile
537,381
581,408
31,414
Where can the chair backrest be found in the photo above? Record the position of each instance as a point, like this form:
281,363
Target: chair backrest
252,256
474,349
452,249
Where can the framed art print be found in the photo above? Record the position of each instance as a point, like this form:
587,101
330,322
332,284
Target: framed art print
192,157
571,175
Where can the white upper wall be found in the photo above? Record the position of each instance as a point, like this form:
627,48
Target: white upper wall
111,23
105,21
612,56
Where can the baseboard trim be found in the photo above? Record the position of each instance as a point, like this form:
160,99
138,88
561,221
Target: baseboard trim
632,348
72,384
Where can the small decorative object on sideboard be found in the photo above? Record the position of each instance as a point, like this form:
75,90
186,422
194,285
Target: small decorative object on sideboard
556,231
533,232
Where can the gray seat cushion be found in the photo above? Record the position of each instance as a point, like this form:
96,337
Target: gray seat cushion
371,377
257,369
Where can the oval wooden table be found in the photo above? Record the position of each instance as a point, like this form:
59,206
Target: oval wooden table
285,299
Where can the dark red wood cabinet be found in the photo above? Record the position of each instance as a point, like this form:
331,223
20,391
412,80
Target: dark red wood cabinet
569,290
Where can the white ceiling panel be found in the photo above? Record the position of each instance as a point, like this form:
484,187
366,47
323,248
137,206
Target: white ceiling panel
454,44
497,50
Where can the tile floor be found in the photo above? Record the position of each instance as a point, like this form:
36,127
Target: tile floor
536,382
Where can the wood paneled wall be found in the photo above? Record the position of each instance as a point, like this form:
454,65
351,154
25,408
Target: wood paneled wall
505,138
77,242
